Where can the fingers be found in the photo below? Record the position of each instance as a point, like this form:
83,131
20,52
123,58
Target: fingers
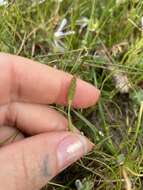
32,118
31,163
9,135
24,80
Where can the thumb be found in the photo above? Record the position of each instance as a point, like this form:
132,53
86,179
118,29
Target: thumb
31,163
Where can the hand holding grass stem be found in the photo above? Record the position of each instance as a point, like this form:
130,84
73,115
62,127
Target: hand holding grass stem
70,96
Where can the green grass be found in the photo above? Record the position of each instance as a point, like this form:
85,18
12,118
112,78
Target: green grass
115,124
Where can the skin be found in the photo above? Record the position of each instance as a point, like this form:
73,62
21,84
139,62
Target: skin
27,88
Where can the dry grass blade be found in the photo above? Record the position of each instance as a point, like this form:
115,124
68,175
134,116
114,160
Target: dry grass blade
128,184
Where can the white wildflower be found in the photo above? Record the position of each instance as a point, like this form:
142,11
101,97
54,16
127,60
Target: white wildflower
3,2
62,25
101,133
86,22
59,35
59,46
78,184
86,183
82,22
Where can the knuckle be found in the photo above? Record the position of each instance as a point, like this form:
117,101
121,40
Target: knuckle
11,114
15,81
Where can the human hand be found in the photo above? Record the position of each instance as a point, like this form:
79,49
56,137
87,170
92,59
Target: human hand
25,90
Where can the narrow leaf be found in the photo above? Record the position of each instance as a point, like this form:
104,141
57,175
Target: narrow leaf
71,91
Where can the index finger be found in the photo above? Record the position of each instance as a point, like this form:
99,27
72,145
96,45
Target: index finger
25,80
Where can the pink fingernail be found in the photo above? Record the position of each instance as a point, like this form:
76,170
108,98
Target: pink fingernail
71,149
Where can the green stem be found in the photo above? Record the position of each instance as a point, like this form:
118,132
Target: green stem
70,125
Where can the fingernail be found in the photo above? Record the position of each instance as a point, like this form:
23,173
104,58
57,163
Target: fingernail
71,149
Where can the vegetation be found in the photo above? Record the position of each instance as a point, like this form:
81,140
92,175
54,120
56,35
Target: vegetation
101,41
